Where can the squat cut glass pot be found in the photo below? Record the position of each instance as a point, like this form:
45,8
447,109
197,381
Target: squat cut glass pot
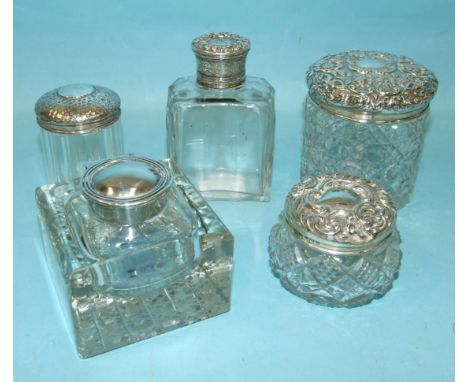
336,243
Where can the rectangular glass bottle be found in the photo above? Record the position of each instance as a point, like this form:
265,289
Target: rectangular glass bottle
220,124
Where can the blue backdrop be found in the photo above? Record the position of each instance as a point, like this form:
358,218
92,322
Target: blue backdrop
137,48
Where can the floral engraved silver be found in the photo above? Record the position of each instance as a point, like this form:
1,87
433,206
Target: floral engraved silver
77,108
221,43
371,81
358,211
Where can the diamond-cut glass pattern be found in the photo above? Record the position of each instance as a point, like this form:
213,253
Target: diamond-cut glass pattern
333,280
386,153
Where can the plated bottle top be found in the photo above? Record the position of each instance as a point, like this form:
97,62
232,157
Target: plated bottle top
340,214
77,109
221,59
221,45
370,85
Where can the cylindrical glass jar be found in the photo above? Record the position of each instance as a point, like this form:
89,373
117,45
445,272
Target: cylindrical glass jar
80,124
366,115
336,243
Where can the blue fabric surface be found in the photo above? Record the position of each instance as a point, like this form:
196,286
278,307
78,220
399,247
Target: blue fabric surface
138,48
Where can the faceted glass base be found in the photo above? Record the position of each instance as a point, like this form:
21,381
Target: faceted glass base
104,318
333,280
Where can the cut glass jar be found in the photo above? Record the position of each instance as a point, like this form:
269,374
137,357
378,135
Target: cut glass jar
135,251
220,123
336,242
366,115
80,125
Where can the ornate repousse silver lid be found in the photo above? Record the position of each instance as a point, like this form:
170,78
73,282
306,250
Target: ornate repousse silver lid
126,189
371,86
221,59
77,109
340,214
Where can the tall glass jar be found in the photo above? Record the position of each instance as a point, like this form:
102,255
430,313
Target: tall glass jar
80,125
366,115
336,242
220,124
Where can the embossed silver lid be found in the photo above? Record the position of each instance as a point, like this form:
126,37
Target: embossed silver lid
125,189
221,59
371,86
340,214
77,109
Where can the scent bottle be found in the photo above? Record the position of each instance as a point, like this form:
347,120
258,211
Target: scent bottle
220,124
366,114
336,242
80,124
134,251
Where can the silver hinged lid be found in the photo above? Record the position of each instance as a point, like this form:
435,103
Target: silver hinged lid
221,59
77,109
125,189
371,86
340,214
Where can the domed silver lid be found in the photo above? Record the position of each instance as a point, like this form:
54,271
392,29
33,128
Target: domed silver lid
340,214
371,86
125,189
221,59
77,109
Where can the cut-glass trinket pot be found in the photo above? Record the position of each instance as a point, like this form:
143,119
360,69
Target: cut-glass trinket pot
366,115
135,251
80,125
220,123
336,243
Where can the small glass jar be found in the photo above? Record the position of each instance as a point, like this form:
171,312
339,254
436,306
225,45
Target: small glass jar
134,251
80,125
366,115
220,124
336,243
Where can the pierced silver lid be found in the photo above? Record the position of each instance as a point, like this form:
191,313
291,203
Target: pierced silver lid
126,189
221,59
77,109
340,214
371,86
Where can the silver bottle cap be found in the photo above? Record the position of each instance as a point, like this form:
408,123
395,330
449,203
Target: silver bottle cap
371,86
127,190
77,109
340,214
221,59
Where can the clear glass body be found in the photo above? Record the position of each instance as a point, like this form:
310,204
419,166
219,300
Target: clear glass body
386,153
123,283
65,156
223,139
331,279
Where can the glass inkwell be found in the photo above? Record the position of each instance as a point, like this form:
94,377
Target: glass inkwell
135,251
